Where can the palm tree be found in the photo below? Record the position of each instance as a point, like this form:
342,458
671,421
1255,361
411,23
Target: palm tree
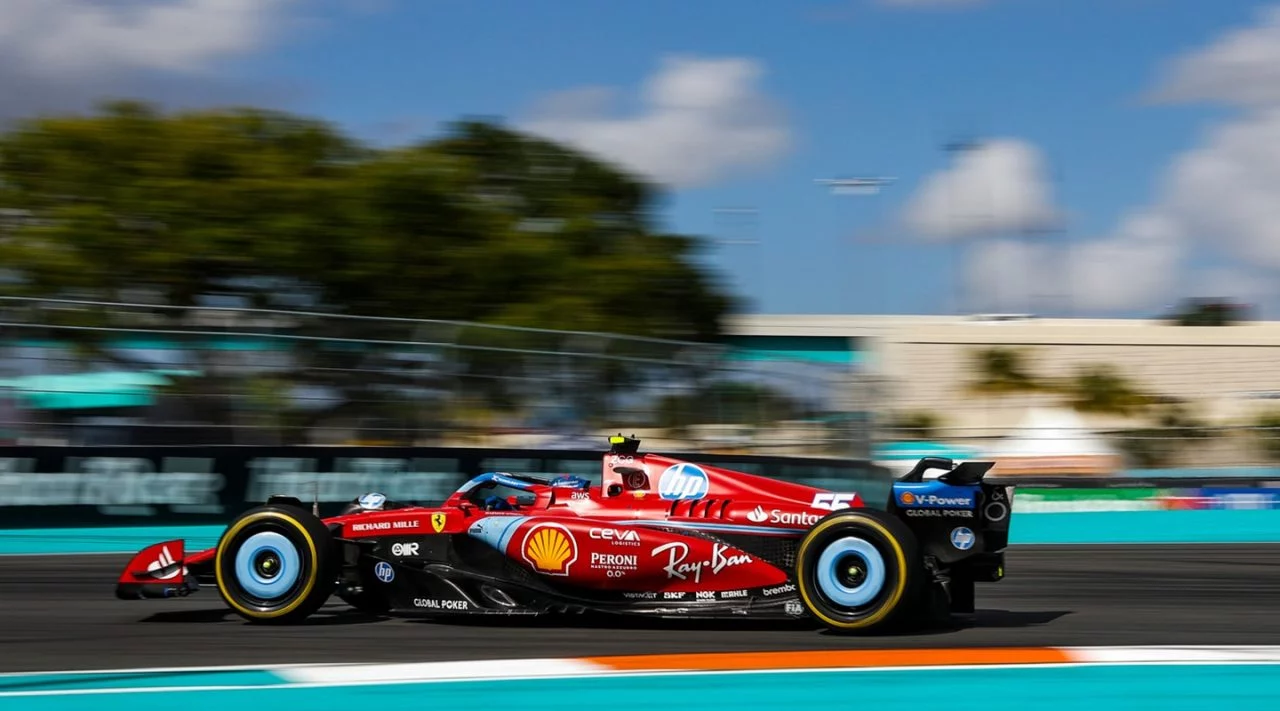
1100,389
1002,370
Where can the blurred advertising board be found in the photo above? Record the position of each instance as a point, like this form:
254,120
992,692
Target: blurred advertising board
1056,500
91,486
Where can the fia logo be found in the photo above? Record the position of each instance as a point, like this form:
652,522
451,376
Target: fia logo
683,482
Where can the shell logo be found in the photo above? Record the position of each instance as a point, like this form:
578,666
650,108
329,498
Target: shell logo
908,498
550,548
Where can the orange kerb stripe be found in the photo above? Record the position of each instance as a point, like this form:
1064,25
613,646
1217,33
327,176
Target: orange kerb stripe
835,659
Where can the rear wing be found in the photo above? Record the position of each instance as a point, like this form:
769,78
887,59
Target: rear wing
963,474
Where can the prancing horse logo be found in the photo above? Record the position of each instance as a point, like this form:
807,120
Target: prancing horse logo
438,520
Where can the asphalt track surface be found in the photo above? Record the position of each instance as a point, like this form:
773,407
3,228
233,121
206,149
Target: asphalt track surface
58,613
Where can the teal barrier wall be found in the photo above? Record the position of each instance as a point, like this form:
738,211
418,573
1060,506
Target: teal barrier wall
1079,528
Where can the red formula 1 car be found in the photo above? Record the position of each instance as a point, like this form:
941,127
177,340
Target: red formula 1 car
659,537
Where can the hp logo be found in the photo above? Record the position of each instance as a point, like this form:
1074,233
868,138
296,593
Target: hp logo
683,482
962,538
386,574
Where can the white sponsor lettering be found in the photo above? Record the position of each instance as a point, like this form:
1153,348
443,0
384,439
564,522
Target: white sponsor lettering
404,549
793,519
614,565
672,596
614,560
641,595
832,502
677,567
705,596
579,496
939,513
758,515
385,525
616,536
440,604
780,589
731,594
935,500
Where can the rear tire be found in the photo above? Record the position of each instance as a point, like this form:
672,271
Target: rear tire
275,564
859,571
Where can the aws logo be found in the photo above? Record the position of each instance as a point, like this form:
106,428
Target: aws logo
550,548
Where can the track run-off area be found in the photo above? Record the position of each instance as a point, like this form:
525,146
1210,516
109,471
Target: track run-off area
1175,626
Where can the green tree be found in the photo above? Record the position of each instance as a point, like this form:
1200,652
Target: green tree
1002,370
265,209
1173,428
1100,389
1267,433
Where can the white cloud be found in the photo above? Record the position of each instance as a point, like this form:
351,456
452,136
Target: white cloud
1241,285
1241,68
53,37
63,55
1135,267
1221,194
999,187
1227,191
701,119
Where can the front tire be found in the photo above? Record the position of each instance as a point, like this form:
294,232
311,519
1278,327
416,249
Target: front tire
859,571
275,564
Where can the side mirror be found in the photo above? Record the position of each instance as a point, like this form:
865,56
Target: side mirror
615,489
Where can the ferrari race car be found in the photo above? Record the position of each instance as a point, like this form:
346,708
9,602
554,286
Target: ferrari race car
659,536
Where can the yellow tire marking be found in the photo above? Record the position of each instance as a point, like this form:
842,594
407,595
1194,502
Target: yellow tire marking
311,582
888,605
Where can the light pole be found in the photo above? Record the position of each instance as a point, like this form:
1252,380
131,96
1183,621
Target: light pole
860,381
857,187
954,148
731,223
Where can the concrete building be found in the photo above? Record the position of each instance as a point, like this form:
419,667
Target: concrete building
1227,375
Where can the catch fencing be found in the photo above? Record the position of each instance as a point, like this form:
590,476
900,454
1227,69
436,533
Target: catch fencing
80,373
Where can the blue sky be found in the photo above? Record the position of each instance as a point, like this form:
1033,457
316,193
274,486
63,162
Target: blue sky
843,87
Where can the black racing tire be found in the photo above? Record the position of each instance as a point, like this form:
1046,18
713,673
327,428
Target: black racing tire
276,564
859,570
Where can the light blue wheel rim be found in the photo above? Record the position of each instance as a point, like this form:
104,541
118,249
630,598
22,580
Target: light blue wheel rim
290,565
865,591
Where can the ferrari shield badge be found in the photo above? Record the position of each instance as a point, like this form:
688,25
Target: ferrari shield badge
438,520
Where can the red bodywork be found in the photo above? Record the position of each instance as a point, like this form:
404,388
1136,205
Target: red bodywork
636,532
